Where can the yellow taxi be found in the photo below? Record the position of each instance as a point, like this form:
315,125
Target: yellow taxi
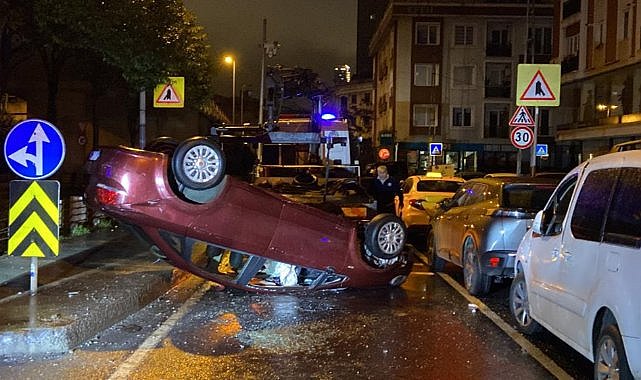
421,193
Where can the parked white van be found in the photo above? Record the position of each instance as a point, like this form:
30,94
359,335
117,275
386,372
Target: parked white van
578,269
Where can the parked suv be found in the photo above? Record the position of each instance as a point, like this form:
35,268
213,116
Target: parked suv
577,269
480,228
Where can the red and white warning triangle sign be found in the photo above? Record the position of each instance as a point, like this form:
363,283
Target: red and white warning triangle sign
521,117
168,95
538,89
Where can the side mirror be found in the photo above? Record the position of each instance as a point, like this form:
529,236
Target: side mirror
536,224
445,204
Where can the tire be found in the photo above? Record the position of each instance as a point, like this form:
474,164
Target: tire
436,263
520,306
385,236
609,355
476,282
198,163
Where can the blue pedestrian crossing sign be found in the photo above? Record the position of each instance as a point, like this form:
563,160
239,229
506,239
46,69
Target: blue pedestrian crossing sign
541,150
436,149
34,149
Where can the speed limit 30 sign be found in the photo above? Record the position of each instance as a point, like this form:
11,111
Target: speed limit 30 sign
522,137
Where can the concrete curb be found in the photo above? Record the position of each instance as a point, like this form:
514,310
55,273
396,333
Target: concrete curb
75,308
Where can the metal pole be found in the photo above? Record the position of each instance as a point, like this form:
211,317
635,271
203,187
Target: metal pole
535,129
259,153
262,74
233,92
242,104
33,276
519,153
143,121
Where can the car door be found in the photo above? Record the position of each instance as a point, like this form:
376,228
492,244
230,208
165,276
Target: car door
443,224
543,263
578,254
467,216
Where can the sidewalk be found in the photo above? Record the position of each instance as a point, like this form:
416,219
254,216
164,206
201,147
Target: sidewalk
97,280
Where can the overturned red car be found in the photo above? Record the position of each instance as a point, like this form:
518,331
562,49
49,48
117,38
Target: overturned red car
230,232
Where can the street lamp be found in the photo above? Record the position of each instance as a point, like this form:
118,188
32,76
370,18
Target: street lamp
230,59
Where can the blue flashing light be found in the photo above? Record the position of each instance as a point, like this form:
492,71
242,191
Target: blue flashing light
328,116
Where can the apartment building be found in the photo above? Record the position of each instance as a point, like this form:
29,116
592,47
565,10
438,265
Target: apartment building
446,71
599,49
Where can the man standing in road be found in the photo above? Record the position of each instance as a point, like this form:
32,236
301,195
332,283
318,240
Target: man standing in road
384,188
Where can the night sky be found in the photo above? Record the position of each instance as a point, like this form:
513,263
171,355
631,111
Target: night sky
316,34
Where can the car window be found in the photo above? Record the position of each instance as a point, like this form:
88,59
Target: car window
557,208
623,225
438,186
531,197
461,195
476,194
591,204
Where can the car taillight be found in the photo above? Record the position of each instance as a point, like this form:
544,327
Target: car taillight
518,214
106,196
494,262
417,204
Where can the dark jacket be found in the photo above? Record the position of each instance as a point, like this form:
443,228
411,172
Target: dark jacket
384,193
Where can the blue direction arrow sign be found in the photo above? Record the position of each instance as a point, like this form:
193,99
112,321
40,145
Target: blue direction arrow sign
436,149
541,150
34,149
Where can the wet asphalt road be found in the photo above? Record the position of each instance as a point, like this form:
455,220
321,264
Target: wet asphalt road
423,329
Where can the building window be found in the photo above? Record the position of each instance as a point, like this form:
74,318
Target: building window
463,76
353,99
367,98
496,121
572,46
426,74
463,35
425,115
428,33
626,24
541,40
462,116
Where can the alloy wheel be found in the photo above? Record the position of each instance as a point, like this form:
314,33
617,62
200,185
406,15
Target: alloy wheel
201,163
391,237
607,360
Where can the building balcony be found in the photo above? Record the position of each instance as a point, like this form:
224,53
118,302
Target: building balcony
504,91
569,64
498,50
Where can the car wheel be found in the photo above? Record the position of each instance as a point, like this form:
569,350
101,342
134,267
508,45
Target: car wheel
436,263
610,361
385,236
476,282
198,163
520,306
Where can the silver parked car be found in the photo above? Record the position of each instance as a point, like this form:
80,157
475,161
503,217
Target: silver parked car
480,228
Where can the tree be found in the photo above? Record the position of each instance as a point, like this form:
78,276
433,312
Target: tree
146,41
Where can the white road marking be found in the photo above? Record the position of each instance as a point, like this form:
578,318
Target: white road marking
127,367
531,349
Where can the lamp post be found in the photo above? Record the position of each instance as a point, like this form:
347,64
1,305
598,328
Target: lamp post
230,59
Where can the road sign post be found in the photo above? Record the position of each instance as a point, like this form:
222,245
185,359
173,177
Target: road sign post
34,150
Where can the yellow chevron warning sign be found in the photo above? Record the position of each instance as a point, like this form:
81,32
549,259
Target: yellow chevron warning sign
34,221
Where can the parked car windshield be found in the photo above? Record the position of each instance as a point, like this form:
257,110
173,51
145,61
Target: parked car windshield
531,197
441,186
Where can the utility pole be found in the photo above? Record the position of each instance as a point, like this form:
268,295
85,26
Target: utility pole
262,74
